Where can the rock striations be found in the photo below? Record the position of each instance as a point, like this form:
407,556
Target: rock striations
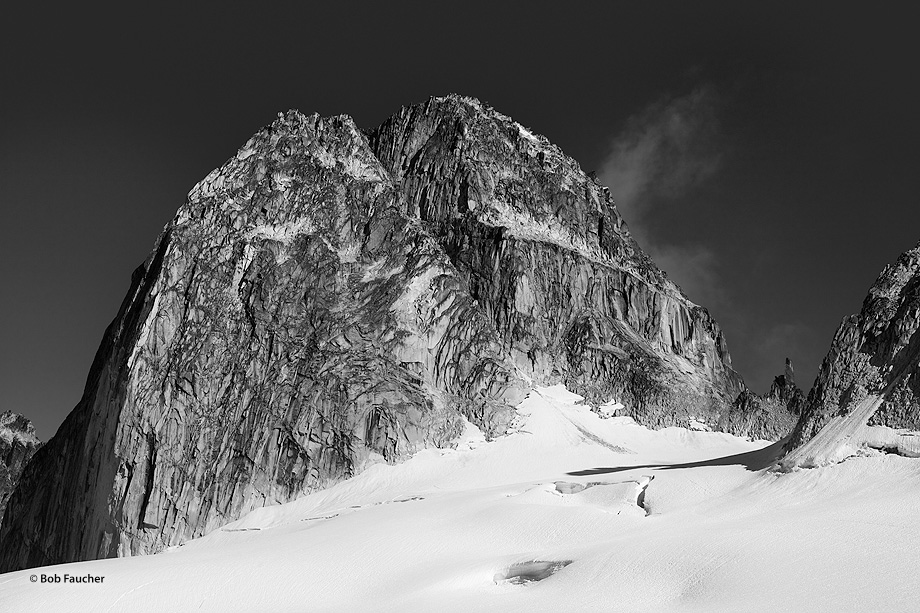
331,297
550,262
18,444
867,393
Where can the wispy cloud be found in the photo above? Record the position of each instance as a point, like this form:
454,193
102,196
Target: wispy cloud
662,153
660,156
667,148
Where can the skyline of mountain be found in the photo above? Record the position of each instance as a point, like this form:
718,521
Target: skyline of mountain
765,157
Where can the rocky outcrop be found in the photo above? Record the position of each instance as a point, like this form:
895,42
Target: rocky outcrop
330,298
18,443
867,393
770,417
784,390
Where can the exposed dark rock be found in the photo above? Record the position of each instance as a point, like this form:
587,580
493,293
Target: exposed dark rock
769,417
18,443
522,573
789,374
875,354
783,388
331,297
785,392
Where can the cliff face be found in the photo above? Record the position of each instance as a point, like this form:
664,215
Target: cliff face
867,393
551,263
289,326
18,444
327,299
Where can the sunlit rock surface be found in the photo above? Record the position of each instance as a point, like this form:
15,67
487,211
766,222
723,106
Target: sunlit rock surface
18,443
330,298
546,255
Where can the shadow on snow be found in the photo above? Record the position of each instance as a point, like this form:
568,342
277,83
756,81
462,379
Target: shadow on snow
751,460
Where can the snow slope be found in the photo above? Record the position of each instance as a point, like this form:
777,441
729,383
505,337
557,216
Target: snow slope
848,435
622,518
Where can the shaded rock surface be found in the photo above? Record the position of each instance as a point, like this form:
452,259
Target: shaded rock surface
18,443
873,366
768,417
331,297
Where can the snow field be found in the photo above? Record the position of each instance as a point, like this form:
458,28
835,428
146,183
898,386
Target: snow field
719,531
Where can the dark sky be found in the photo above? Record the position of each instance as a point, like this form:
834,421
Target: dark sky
768,152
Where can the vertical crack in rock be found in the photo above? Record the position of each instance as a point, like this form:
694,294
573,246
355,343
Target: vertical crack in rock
148,488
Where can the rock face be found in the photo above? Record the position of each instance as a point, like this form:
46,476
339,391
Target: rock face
552,265
18,444
867,393
329,298
769,417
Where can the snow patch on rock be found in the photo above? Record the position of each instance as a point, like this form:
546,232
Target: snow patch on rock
352,166
406,306
526,133
698,425
380,270
845,436
145,331
284,233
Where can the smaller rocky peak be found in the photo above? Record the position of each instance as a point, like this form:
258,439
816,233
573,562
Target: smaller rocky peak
18,443
771,416
471,103
789,373
783,388
292,120
15,427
